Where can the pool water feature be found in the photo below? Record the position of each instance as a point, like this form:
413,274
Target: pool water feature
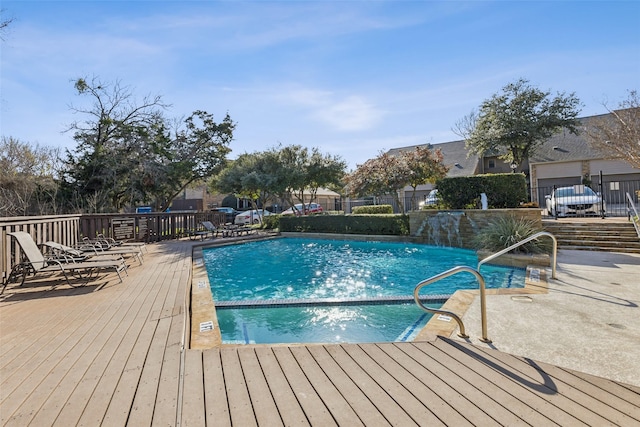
333,270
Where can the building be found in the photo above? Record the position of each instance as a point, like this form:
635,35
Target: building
564,159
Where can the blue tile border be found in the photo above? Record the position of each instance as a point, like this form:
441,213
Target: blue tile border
310,302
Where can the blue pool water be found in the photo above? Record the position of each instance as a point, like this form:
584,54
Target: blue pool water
294,268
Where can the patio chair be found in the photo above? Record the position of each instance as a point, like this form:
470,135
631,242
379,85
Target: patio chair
215,231
113,242
34,262
102,247
65,253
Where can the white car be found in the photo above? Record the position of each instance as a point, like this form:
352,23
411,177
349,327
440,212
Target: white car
251,217
578,200
309,208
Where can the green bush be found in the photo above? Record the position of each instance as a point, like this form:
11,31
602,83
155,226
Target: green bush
373,210
347,224
271,222
506,231
504,191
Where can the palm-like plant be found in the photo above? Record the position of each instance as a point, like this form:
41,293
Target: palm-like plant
506,231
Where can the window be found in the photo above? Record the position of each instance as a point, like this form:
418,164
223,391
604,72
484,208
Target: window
492,163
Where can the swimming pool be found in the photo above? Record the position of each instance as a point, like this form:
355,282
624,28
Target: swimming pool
327,271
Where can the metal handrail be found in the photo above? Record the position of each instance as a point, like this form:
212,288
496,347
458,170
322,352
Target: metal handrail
522,242
636,217
448,273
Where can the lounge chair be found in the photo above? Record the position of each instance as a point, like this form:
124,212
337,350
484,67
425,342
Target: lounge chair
34,262
215,231
102,247
63,253
113,242
232,230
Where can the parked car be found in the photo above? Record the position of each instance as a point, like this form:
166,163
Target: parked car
230,213
309,208
578,200
431,199
251,217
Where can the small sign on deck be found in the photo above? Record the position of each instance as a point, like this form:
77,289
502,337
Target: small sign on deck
206,326
445,318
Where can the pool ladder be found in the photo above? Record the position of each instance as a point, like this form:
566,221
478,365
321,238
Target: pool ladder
481,282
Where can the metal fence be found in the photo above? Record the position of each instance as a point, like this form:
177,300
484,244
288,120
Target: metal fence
608,198
611,192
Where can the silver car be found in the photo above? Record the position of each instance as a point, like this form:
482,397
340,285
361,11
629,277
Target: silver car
578,200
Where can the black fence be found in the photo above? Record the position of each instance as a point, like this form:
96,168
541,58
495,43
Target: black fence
606,198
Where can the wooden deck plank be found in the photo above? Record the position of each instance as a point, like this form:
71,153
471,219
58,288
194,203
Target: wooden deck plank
215,394
398,392
384,403
474,379
18,339
359,402
112,399
49,372
454,389
288,405
313,407
420,390
144,402
335,402
576,390
167,394
537,401
114,394
87,364
240,406
540,383
94,384
193,403
262,401
51,337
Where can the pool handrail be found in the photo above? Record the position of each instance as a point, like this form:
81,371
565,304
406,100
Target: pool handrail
450,272
522,242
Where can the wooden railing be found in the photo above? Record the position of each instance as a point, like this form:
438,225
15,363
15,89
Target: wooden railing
69,229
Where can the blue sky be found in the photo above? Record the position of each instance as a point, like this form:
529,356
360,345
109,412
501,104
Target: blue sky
352,78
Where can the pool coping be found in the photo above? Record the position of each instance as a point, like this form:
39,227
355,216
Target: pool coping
205,330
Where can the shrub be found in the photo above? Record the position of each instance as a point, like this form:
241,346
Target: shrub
506,231
503,191
373,210
348,224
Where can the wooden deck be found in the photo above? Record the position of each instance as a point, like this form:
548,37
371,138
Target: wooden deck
112,354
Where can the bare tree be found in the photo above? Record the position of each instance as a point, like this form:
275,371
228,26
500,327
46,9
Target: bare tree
4,23
617,134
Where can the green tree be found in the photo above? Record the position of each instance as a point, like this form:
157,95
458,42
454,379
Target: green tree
383,175
28,184
128,152
281,173
515,122
424,165
618,133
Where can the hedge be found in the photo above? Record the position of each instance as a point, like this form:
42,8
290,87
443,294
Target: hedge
504,191
347,224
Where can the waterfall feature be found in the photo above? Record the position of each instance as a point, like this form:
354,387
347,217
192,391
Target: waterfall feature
441,229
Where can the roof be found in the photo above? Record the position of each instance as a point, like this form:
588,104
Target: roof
566,146
455,156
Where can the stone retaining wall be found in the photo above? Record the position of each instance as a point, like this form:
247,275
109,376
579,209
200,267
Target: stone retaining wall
456,228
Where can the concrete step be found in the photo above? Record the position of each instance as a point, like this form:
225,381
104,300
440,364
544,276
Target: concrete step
602,249
595,235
